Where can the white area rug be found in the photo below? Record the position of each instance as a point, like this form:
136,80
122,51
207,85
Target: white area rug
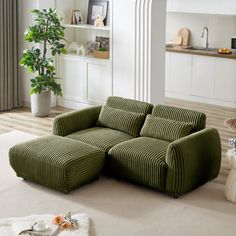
13,226
119,208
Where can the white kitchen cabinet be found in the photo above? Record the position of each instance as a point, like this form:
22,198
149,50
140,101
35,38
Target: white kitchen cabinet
99,82
168,84
183,5
71,70
225,79
203,76
225,7
180,73
206,6
204,79
169,5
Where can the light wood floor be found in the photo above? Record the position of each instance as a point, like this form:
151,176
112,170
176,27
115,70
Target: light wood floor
21,119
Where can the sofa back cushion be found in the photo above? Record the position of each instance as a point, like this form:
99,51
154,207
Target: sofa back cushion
165,129
197,119
126,121
124,114
129,105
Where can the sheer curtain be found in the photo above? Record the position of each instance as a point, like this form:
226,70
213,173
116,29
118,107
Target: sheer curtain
9,79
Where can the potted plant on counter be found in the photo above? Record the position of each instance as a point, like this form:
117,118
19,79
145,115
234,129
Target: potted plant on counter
46,34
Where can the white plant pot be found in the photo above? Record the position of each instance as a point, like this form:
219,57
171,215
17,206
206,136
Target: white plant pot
41,104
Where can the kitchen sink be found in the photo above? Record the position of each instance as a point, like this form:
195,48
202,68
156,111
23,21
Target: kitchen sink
199,48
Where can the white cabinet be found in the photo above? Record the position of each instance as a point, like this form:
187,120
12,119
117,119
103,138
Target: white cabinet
99,82
84,79
180,73
225,79
169,5
204,79
71,70
203,76
167,72
225,7
183,5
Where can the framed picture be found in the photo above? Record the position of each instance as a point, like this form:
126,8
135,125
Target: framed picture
77,17
104,42
97,7
91,46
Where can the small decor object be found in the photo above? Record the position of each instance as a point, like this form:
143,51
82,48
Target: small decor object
101,53
77,17
230,187
99,21
91,46
224,51
231,123
97,8
73,47
184,34
81,50
104,42
40,60
232,141
66,222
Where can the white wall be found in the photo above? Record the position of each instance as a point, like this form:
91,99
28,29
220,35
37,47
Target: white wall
221,28
139,49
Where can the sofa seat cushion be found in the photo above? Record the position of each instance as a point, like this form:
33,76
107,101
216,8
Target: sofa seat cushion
165,129
141,160
57,162
103,138
126,121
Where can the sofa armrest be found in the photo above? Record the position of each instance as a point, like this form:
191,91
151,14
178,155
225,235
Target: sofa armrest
192,161
71,122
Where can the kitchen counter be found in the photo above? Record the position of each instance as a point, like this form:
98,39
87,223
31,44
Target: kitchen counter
203,52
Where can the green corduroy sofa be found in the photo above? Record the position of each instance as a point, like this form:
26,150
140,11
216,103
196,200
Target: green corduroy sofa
162,147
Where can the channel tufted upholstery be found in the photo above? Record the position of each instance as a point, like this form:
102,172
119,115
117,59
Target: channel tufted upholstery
101,137
197,119
129,105
57,162
175,153
140,160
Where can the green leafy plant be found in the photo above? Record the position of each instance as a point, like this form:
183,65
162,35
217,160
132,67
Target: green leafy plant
101,49
47,33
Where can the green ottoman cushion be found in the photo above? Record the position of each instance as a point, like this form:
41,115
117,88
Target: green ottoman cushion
57,162
140,160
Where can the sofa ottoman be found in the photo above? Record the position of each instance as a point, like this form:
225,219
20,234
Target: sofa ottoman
57,162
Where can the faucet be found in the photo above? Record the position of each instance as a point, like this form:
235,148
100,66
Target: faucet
203,34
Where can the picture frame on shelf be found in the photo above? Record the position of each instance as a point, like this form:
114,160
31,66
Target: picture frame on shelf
104,42
77,18
97,8
91,46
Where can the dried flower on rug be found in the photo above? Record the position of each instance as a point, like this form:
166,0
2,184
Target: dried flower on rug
65,222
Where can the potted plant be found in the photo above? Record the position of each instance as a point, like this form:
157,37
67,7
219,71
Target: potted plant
46,34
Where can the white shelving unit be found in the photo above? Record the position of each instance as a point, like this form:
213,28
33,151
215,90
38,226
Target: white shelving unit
86,26
84,79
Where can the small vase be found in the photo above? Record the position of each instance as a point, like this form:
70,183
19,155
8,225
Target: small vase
41,104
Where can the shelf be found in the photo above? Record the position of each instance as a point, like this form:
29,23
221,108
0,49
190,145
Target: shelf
86,26
88,58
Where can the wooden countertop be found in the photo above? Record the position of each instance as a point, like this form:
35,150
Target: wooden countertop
210,53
